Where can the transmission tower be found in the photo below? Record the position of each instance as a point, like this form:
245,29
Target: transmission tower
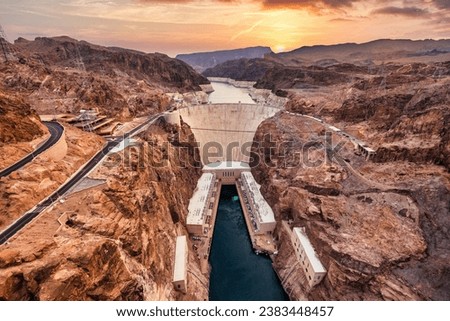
382,73
79,60
6,52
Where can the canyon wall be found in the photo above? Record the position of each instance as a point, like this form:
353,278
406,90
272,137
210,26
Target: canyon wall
378,228
117,241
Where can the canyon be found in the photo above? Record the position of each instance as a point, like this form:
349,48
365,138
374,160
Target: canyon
379,224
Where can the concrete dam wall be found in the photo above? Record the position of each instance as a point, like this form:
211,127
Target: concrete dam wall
225,131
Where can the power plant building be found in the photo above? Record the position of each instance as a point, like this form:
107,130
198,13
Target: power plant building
313,268
201,205
180,265
260,212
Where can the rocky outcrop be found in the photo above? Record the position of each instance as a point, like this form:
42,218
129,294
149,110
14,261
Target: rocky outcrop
371,233
413,123
241,69
68,52
21,130
284,77
22,190
18,122
62,75
117,241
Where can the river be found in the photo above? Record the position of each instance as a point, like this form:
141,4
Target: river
237,273
228,94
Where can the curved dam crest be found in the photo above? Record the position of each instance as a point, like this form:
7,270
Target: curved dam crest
225,129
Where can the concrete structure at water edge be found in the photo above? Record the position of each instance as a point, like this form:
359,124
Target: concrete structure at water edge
180,264
261,214
203,205
227,172
225,132
306,255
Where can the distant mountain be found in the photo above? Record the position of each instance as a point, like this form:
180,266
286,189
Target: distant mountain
378,51
329,64
203,60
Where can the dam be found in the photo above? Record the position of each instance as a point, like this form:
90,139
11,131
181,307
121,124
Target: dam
228,193
225,131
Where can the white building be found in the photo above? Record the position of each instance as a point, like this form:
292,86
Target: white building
260,212
307,257
180,265
201,205
227,172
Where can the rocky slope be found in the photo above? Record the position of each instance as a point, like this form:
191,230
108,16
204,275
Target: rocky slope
22,190
64,75
242,69
116,241
379,226
19,123
201,61
377,51
381,236
282,77
20,129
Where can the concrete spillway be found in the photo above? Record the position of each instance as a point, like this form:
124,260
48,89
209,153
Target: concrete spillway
225,132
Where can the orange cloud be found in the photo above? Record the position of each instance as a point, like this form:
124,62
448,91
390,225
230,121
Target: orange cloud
292,4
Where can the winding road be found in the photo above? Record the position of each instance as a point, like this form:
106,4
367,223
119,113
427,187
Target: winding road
38,209
56,131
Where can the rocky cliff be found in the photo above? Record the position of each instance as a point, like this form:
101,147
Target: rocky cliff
63,75
68,52
379,226
115,241
23,189
20,129
242,69
19,123
286,77
379,236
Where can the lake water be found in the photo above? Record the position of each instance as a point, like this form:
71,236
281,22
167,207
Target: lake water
228,94
238,274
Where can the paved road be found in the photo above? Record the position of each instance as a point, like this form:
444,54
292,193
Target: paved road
29,216
56,130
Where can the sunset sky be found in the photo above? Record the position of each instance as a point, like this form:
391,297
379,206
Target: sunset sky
182,26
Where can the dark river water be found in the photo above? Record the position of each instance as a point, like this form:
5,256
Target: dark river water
238,274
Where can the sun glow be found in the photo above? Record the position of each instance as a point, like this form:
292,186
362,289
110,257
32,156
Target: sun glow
181,26
280,48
